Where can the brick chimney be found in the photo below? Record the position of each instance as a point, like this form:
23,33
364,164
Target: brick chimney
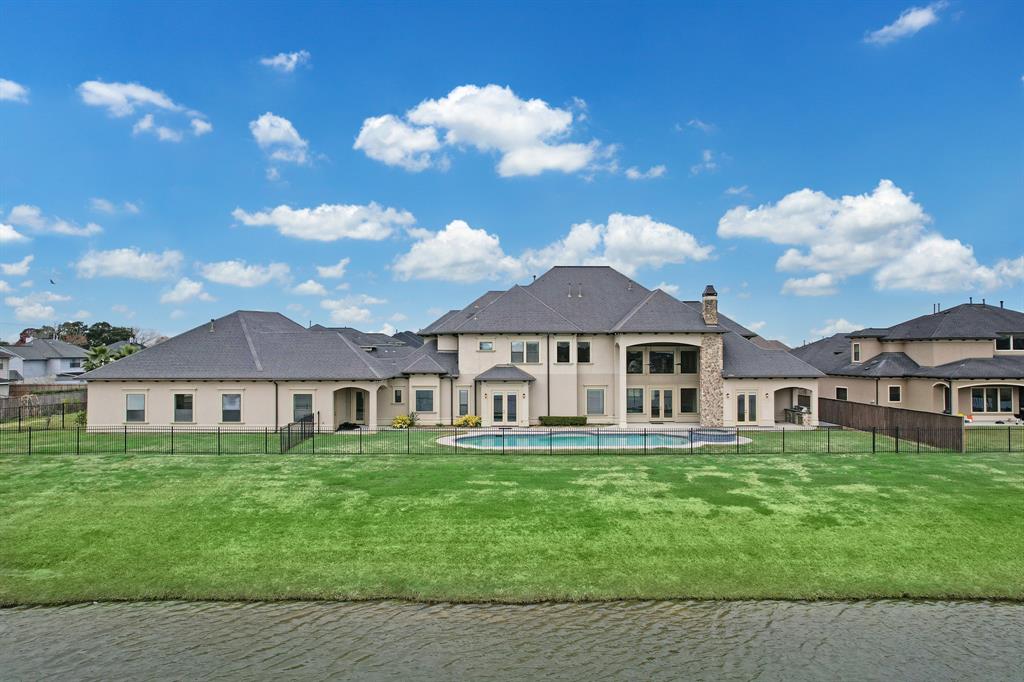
710,309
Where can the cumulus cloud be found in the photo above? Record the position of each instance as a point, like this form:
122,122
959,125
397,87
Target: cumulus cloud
107,206
240,274
736,190
130,263
124,99
17,268
883,232
330,222
529,135
461,253
276,136
35,307
13,92
708,163
336,271
200,127
838,326
634,173
907,24
286,62
671,289
185,290
9,235
350,309
822,284
310,287
388,329
31,217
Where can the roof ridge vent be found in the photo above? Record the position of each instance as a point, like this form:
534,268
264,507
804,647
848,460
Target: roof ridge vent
579,291
211,325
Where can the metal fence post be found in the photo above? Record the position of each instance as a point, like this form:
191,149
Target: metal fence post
897,440
19,418
691,440
29,436
783,440
503,441
172,439
312,438
874,431
218,440
360,441
828,440
919,440
408,441
78,440
62,415
551,442
737,440
126,439
645,440
1009,439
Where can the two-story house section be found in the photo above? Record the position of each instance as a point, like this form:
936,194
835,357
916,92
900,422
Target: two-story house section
966,360
45,361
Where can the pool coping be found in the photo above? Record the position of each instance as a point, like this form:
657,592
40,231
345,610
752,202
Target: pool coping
453,440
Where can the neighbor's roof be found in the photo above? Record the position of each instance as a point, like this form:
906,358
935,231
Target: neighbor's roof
998,367
966,321
882,365
46,349
828,354
505,373
267,345
574,299
742,359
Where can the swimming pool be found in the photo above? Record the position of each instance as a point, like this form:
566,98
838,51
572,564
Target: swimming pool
578,440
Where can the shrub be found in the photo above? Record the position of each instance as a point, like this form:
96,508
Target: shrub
404,421
563,421
80,419
469,421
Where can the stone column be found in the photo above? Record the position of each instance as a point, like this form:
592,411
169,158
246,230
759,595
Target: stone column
620,381
712,393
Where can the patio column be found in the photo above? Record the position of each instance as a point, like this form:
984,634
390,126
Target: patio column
371,408
620,382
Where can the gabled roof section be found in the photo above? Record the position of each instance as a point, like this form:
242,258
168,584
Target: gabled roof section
659,312
882,365
828,354
727,322
742,359
966,321
998,367
515,310
46,349
505,373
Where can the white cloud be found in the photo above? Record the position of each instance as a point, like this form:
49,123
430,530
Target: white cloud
278,137
708,163
350,309
822,284
273,175
756,326
107,206
5,287
240,274
9,235
388,329
177,314
285,62
634,173
530,135
336,271
883,232
18,268
32,217
671,289
839,326
129,263
699,125
736,191
122,309
185,290
34,312
13,92
123,99
909,22
330,222
81,315
399,317
460,253
27,284
200,127
310,287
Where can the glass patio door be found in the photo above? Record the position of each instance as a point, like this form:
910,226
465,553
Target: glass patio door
506,409
746,408
661,403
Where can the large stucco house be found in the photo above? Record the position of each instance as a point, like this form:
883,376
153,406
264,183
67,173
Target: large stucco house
576,341
966,360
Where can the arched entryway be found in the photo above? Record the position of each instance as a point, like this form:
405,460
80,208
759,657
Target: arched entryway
942,398
352,406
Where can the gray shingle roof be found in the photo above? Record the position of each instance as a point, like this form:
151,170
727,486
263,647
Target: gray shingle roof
505,373
659,312
998,367
886,364
45,349
742,359
967,321
828,354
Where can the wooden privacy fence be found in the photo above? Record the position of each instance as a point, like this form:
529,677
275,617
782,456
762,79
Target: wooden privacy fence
938,430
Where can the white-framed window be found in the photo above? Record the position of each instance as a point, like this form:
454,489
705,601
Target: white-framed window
76,363
135,407
485,346
463,402
856,352
397,397
687,401
563,349
424,399
525,352
1010,342
895,393
662,361
992,399
183,407
231,407
583,352
634,362
302,406
634,401
842,393
595,401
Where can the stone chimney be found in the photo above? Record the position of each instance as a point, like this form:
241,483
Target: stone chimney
710,309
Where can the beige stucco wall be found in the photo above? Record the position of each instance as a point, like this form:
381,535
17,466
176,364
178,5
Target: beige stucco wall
766,389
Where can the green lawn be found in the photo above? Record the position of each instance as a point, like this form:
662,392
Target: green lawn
524,528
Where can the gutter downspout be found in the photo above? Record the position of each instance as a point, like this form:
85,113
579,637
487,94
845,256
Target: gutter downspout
276,404
950,382
548,363
876,392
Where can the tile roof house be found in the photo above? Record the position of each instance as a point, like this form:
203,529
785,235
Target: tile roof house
576,341
966,360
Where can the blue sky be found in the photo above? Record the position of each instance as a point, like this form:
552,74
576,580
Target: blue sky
823,164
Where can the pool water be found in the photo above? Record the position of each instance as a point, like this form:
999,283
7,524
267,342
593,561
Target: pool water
571,440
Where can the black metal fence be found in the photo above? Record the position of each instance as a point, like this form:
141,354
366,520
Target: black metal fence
304,438
57,415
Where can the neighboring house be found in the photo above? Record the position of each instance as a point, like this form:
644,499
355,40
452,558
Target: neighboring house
966,360
45,361
117,346
577,341
7,375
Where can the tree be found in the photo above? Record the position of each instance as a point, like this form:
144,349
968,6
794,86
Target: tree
97,356
126,350
74,332
104,333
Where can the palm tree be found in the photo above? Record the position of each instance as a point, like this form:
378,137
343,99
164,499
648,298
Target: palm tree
126,350
97,356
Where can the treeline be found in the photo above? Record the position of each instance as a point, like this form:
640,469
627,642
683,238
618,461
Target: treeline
86,335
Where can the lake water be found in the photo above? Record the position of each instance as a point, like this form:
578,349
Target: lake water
762,640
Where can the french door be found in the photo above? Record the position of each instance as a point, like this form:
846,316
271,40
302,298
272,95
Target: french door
661,403
505,409
746,408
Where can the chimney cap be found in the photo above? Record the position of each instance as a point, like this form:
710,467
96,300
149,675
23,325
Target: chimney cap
709,290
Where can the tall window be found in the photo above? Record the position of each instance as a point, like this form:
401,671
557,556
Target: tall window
662,362
842,393
135,407
183,407
634,362
231,407
895,394
583,351
595,401
424,400
302,406
634,401
463,402
688,361
687,400
562,351
856,352
398,396
525,351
